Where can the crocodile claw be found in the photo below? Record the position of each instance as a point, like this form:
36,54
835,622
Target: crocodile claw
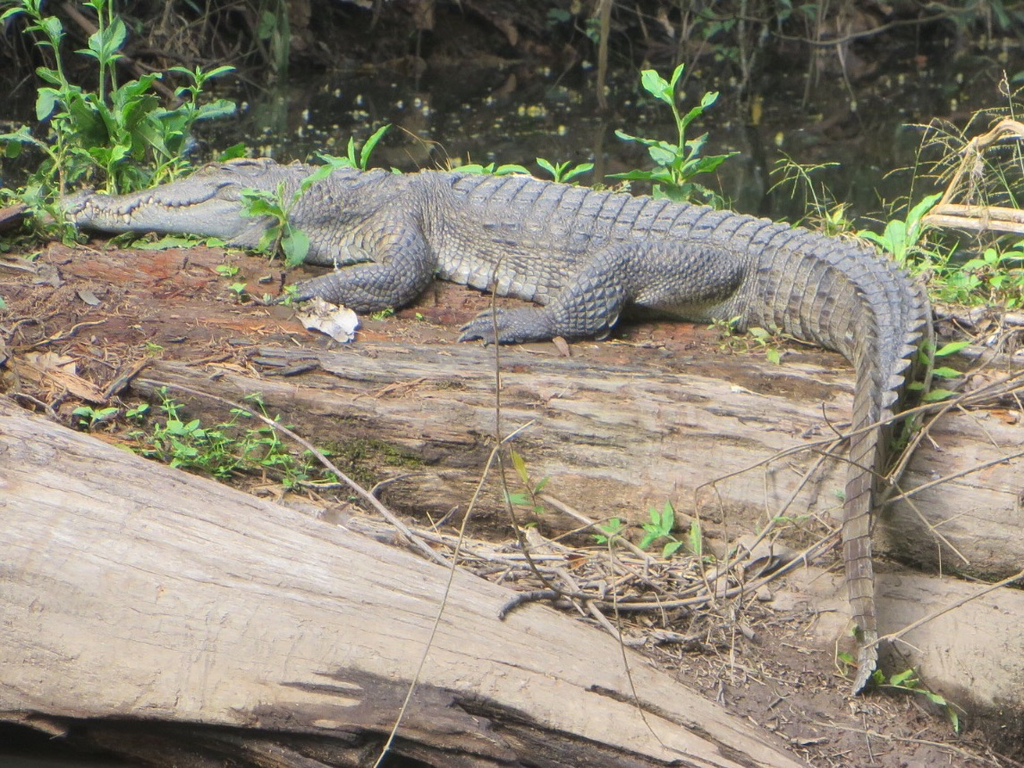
509,326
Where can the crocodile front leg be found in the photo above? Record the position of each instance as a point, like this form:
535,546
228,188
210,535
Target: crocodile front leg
680,279
376,272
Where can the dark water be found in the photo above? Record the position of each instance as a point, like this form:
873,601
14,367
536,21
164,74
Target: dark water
869,130
866,127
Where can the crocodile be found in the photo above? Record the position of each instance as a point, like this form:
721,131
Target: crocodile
583,257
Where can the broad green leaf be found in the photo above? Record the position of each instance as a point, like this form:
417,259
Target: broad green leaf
656,85
935,395
676,74
638,139
951,348
367,150
670,549
579,170
46,100
661,155
232,152
901,678
295,245
637,175
520,467
919,210
696,539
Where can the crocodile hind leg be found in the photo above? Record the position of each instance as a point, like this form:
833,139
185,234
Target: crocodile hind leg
673,278
387,272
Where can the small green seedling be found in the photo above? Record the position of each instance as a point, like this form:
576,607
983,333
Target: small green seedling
562,172
903,238
936,394
610,531
528,498
90,418
226,270
660,527
908,682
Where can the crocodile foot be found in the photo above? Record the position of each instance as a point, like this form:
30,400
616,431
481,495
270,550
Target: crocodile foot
513,326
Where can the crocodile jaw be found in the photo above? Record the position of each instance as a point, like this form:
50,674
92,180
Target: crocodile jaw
211,210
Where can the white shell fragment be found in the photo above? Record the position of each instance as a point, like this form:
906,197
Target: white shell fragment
339,323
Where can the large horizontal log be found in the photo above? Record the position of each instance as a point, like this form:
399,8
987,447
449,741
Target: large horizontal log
131,592
620,427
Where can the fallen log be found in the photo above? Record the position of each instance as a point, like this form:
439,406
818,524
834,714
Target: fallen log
968,648
619,428
134,594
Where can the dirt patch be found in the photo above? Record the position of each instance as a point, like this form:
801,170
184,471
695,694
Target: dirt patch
110,310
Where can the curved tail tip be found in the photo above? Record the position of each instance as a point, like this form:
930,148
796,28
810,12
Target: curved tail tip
867,660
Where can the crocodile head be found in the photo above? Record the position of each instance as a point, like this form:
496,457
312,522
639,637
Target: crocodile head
208,204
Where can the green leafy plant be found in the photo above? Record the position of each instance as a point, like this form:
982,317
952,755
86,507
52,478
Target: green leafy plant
660,527
90,418
755,337
226,270
118,134
358,160
908,682
289,293
676,163
527,498
824,213
903,239
562,172
994,277
273,34
137,412
493,169
927,357
767,341
222,451
610,531
282,236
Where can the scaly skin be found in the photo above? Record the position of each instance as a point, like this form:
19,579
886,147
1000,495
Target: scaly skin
585,257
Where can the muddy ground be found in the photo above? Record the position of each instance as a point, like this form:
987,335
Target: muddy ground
110,309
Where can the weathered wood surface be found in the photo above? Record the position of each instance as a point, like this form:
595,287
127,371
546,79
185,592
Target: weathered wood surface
130,591
619,428
972,653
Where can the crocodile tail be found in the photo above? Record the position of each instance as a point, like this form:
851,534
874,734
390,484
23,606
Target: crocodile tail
840,294
885,356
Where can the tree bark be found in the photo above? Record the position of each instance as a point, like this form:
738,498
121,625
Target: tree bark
134,594
619,428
